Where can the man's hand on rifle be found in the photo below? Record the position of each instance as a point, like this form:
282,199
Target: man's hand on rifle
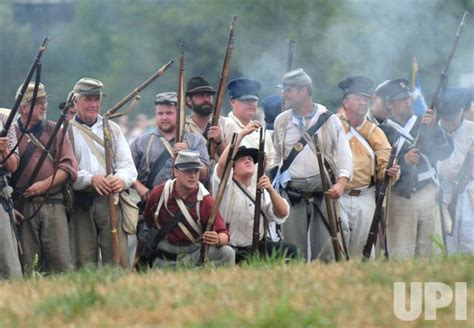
412,157
215,133
17,216
179,146
249,128
213,238
264,183
394,170
116,183
101,185
142,191
337,189
4,146
37,188
429,118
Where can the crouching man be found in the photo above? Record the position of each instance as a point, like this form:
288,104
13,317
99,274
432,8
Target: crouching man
238,203
176,215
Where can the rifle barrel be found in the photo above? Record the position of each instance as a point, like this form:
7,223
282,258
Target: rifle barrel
142,86
29,75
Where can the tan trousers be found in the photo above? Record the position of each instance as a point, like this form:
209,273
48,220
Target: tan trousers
411,224
45,235
90,232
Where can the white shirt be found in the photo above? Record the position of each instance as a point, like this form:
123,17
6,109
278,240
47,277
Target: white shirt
231,124
89,164
335,146
238,211
448,169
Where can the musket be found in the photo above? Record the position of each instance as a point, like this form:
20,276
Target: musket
138,89
331,211
258,193
378,217
180,117
108,137
437,94
222,84
203,258
291,51
44,154
24,86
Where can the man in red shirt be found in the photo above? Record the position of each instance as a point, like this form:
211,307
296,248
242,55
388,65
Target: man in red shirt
176,215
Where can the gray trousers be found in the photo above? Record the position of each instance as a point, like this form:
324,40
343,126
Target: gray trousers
305,226
9,261
45,235
90,232
189,255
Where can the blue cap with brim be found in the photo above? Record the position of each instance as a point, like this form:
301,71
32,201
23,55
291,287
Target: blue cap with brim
452,102
243,89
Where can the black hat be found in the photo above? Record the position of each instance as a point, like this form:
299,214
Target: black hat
393,90
243,89
272,107
198,84
452,102
359,85
244,151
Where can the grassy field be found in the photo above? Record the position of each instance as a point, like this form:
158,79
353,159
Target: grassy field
351,294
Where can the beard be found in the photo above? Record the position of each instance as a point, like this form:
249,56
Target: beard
203,110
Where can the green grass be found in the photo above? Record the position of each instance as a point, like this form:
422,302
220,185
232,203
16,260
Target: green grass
257,294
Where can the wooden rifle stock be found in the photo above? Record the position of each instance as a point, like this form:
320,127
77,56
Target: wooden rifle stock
378,217
258,193
331,211
219,195
18,100
180,117
222,84
111,196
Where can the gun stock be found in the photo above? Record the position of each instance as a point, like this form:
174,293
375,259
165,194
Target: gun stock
203,258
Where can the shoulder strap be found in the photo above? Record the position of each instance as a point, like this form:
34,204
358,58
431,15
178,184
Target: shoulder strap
26,156
157,167
249,196
298,147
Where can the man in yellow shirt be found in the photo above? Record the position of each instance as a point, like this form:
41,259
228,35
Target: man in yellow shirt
370,152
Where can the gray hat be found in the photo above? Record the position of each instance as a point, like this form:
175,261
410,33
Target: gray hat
295,78
88,87
28,95
187,160
169,98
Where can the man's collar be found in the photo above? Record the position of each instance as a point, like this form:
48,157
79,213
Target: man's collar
79,120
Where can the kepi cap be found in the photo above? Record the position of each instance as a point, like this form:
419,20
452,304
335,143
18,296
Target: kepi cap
359,85
88,87
272,107
243,89
394,90
187,160
168,98
295,78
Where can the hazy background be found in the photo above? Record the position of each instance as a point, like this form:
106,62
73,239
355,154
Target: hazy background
123,42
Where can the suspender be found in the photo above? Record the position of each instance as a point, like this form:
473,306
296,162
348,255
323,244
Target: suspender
298,147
